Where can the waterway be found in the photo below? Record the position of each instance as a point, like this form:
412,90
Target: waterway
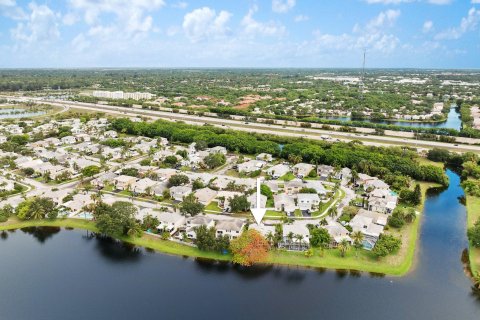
18,113
453,121
67,274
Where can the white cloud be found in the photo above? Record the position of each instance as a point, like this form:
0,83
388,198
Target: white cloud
180,5
475,1
468,23
427,26
41,26
440,2
130,14
301,18
388,1
128,22
282,6
70,19
10,9
373,36
7,3
436,2
252,27
384,19
204,23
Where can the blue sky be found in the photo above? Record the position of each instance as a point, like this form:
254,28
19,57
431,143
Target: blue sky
240,33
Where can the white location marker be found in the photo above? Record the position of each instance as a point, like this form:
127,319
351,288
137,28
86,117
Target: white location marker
258,212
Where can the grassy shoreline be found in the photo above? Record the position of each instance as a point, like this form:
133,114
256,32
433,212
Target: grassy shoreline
473,214
397,265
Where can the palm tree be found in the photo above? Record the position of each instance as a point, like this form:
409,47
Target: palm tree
357,237
343,246
96,197
299,238
148,190
290,237
354,176
332,212
134,230
37,213
410,216
270,237
293,158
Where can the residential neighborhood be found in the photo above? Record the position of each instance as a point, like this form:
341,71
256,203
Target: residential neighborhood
78,160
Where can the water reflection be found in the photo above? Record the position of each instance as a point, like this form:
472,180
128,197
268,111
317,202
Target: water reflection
205,289
116,251
42,234
4,235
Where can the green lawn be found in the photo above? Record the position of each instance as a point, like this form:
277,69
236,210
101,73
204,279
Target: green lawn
425,161
109,188
213,206
126,193
473,214
287,177
270,203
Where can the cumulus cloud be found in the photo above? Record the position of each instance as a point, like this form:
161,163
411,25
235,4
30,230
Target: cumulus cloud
129,20
204,23
468,23
130,15
301,18
282,6
436,2
427,26
40,26
10,9
180,5
384,19
252,27
373,35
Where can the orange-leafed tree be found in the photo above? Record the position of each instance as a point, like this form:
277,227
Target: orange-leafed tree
250,248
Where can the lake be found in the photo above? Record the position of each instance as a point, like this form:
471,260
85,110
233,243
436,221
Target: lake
453,121
66,274
18,113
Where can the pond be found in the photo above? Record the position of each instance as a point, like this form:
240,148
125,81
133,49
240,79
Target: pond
68,274
18,113
453,121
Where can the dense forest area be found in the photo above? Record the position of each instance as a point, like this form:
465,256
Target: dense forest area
377,161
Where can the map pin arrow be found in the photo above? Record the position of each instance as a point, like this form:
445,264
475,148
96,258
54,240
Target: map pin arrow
258,212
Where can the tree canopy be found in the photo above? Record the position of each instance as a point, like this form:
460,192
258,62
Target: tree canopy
250,248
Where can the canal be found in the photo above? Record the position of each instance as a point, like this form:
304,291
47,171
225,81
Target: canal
66,274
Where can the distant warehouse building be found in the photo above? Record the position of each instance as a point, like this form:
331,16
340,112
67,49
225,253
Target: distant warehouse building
123,95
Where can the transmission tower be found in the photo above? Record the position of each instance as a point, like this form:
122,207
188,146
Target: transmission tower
362,78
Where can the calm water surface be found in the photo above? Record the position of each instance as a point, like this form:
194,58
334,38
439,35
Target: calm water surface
453,121
53,274
18,113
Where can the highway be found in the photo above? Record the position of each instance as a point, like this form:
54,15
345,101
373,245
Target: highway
286,130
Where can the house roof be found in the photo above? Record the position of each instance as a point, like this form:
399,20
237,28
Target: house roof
308,197
296,228
199,220
169,217
124,178
232,224
205,194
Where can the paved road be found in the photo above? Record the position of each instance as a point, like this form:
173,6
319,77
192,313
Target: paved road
273,129
291,131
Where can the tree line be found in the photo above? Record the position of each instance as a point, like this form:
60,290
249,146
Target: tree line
376,161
